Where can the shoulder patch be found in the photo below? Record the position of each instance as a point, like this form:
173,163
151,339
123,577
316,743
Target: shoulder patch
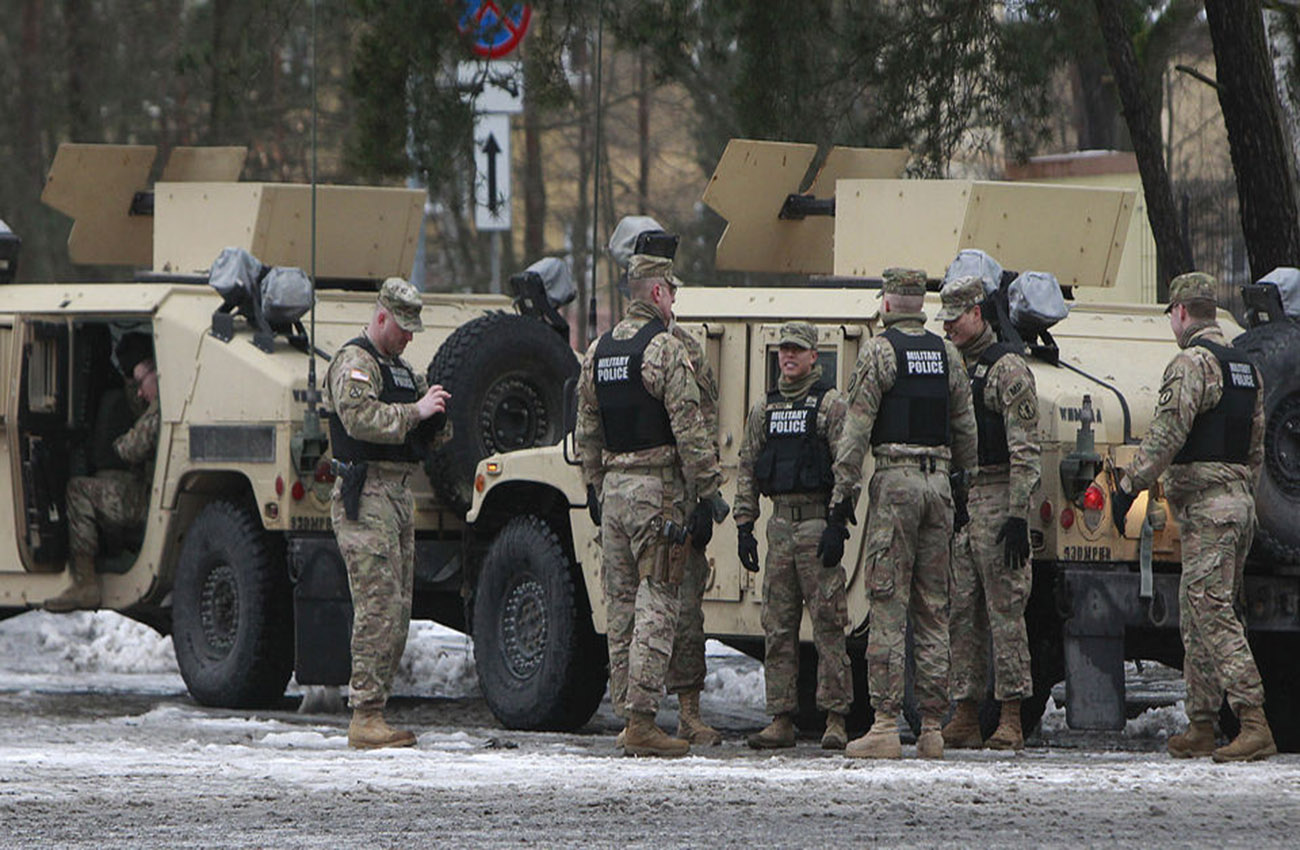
1167,391
359,375
1027,410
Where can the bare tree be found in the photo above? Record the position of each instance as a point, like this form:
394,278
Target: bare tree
1261,157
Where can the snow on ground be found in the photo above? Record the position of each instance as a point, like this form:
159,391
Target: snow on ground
86,650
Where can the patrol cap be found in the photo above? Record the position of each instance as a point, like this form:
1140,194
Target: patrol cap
801,334
131,349
644,266
959,295
1192,286
900,281
403,301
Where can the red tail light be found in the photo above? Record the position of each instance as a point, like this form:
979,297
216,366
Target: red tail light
1067,517
324,473
1045,512
298,491
1093,498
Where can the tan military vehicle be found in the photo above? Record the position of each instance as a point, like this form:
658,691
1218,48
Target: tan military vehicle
1099,597
236,559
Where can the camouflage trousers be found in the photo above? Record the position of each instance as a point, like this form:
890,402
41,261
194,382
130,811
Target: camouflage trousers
379,550
988,603
686,668
792,576
909,530
116,499
641,597
1217,529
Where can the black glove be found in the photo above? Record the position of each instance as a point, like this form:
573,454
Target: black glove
747,546
960,495
831,547
1120,500
700,524
1014,535
593,504
842,514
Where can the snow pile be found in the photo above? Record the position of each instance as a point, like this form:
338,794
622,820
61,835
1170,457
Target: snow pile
437,662
733,678
1158,723
84,642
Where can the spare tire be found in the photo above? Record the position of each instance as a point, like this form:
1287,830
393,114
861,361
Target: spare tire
506,377
1275,349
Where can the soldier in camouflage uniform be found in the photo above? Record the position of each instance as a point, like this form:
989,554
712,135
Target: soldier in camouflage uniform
1210,398
113,497
786,454
991,571
382,417
910,401
642,439
686,668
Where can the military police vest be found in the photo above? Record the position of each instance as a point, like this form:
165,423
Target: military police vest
794,459
1222,433
915,410
992,428
632,418
399,388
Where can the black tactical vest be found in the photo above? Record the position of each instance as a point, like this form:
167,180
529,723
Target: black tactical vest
794,459
399,388
915,410
1222,433
992,428
632,418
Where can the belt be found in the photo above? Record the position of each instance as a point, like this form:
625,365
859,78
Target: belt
663,473
926,463
799,513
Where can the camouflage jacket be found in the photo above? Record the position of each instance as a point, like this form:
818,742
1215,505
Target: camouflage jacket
352,386
667,374
830,425
1192,384
707,383
139,445
873,376
1009,390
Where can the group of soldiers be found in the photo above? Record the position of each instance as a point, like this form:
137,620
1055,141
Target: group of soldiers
951,425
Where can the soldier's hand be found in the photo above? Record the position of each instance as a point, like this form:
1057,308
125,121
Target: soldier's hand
700,524
593,504
1120,501
842,514
432,402
1014,537
747,546
957,483
831,547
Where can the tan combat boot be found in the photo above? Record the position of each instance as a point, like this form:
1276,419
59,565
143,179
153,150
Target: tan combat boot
1008,735
963,730
84,592
1196,742
778,734
643,738
929,744
1255,740
880,742
369,731
689,725
834,738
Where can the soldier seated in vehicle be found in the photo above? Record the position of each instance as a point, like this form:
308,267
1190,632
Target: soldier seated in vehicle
117,497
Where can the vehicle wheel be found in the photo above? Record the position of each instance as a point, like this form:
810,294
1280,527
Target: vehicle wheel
506,377
232,620
1275,349
540,663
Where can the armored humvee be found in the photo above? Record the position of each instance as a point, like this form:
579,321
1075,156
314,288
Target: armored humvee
237,560
1099,597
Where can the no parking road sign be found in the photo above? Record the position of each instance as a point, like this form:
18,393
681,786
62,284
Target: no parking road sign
495,27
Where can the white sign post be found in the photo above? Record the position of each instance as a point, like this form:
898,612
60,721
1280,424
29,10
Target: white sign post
492,171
